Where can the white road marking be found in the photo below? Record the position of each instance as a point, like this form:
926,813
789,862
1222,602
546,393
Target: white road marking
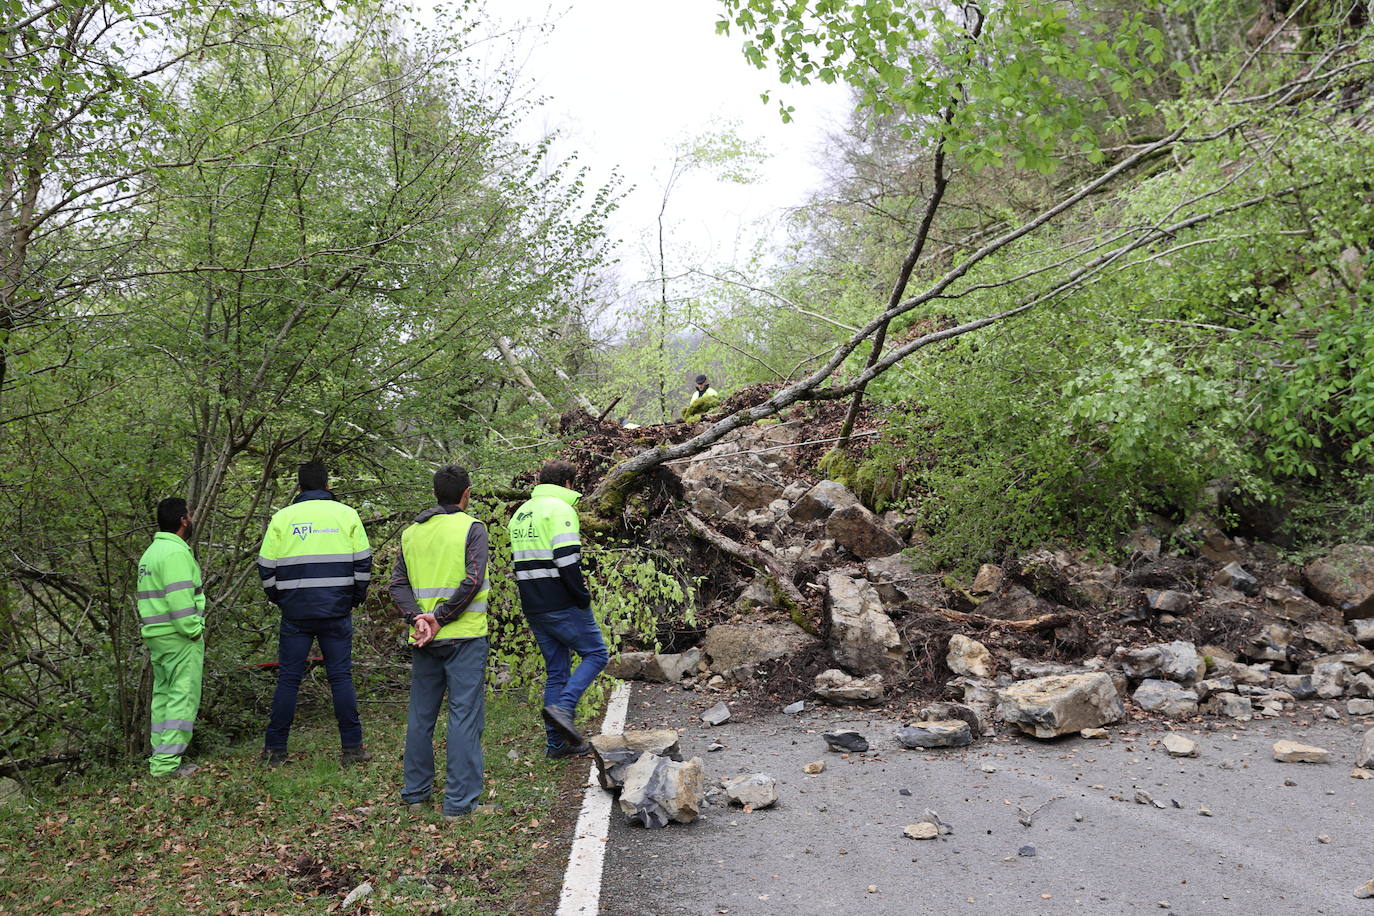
582,881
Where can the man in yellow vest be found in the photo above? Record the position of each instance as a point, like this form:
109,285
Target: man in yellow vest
440,585
546,547
171,610
315,564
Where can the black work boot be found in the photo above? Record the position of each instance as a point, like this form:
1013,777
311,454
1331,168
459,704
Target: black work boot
566,751
561,721
351,756
272,757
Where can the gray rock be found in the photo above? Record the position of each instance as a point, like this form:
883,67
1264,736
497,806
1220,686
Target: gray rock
862,637
1272,643
1293,752
613,754
1025,668
756,791
946,733
839,688
896,581
1242,673
10,792
1288,603
1363,629
1328,637
849,742
1230,705
1179,746
862,533
1300,686
1015,603
1026,852
1177,661
755,594
1061,704
1205,688
823,500
975,716
1361,685
716,715
969,656
1364,757
1360,707
795,709
1166,698
669,669
1344,579
1235,576
1328,679
1168,601
628,665
736,648
658,790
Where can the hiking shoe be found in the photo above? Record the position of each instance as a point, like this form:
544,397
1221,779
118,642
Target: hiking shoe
566,751
272,757
186,769
350,756
561,721
417,807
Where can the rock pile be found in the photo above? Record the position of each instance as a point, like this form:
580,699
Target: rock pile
1192,621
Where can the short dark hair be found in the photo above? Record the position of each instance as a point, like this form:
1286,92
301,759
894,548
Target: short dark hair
557,472
450,482
700,379
313,475
170,512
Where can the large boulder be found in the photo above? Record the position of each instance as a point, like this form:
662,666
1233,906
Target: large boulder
862,637
1165,698
969,656
822,501
628,665
735,648
1344,579
836,687
1176,661
1061,704
671,668
615,753
1328,637
862,533
943,733
658,790
1288,603
730,473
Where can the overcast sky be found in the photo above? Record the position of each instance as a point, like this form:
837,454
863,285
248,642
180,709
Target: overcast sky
627,79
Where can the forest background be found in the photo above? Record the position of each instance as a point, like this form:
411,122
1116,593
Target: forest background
1087,261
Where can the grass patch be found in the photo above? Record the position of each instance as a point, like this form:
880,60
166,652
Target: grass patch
239,838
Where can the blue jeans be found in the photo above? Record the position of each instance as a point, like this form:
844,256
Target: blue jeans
294,639
559,634
458,667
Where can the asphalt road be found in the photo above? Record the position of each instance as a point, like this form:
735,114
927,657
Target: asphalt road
833,836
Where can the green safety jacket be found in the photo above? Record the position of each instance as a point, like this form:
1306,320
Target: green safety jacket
171,596
546,547
434,550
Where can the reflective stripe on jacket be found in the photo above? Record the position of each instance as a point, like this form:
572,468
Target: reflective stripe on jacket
171,597
315,561
546,547
435,552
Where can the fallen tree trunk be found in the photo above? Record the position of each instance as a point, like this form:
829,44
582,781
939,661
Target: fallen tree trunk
1043,622
750,556
15,767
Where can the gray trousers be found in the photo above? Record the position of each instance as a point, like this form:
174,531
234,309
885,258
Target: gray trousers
458,667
